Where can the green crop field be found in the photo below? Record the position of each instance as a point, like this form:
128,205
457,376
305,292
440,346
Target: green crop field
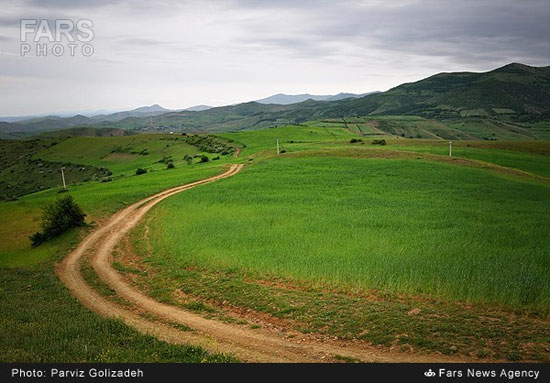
413,227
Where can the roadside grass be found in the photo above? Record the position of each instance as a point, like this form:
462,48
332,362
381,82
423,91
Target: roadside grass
411,227
380,318
41,322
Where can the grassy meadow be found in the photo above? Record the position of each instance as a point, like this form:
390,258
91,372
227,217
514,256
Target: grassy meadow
366,240
121,155
528,156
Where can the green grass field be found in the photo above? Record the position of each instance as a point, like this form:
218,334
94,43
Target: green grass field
41,322
529,156
297,137
413,227
120,154
409,231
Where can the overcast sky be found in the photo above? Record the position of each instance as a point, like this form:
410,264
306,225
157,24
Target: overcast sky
183,53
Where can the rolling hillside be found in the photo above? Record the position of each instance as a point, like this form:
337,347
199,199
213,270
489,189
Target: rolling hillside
513,91
515,97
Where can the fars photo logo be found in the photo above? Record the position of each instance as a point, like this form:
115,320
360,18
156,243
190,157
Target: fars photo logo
43,37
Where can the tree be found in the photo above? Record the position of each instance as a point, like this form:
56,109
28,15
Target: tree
57,218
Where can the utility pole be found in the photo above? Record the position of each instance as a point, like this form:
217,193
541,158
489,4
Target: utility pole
277,146
63,177
450,148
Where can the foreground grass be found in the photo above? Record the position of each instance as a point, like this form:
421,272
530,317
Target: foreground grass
413,227
383,319
41,322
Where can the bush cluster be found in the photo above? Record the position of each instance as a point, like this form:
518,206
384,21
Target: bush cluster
57,218
208,144
379,142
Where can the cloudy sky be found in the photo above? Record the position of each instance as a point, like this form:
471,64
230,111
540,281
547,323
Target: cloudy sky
183,53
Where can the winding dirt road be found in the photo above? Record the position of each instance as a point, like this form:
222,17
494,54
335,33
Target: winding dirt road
254,345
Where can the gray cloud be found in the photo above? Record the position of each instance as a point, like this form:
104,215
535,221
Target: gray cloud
79,4
465,31
219,52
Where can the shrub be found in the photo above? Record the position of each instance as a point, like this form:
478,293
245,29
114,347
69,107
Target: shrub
204,158
379,142
165,160
57,218
355,140
170,165
187,158
216,158
140,171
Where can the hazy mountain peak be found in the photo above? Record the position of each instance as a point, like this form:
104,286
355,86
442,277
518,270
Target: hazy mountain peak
198,108
287,99
151,108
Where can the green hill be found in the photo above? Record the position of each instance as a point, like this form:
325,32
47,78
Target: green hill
513,94
510,100
514,91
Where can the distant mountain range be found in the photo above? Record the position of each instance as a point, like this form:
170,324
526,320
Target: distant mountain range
287,99
514,92
198,108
